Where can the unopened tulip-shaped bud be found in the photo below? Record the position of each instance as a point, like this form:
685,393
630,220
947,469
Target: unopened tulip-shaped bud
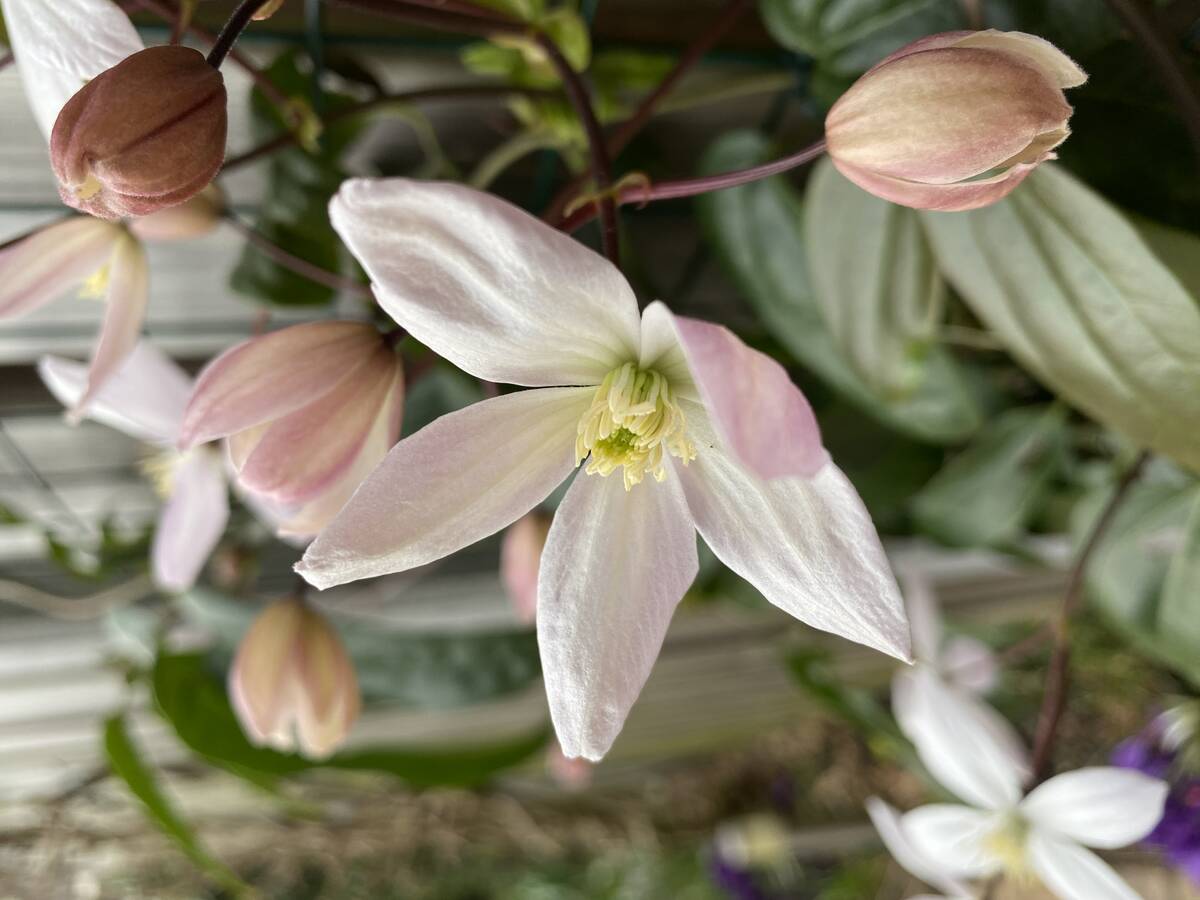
292,683
953,121
146,134
309,411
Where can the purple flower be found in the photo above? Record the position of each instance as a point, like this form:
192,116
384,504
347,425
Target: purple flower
1177,834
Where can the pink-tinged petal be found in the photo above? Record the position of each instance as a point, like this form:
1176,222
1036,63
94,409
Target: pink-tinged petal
520,559
956,836
1072,872
268,377
124,311
61,45
941,197
759,414
1031,50
927,869
489,287
144,398
52,261
314,516
968,747
457,480
192,521
969,664
263,677
616,565
302,454
1101,807
807,544
329,701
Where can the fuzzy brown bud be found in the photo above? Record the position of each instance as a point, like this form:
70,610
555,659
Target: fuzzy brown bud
144,135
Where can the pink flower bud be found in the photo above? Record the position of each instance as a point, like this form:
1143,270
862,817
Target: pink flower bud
953,121
520,559
146,134
292,683
308,411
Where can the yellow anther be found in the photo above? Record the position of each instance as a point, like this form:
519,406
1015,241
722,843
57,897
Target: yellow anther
95,286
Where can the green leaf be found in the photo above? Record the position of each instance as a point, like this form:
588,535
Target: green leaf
294,214
988,494
1128,569
416,669
127,764
1077,27
1066,283
756,229
1179,611
192,699
875,281
1177,249
850,36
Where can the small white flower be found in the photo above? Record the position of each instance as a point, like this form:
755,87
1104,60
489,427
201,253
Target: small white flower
1041,835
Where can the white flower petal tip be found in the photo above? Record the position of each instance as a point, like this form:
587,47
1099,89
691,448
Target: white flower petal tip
292,684
887,822
1100,807
192,521
534,308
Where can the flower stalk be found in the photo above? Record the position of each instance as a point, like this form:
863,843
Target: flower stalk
232,31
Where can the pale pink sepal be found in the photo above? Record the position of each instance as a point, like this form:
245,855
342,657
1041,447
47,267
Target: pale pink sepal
808,544
616,565
52,261
191,522
124,311
759,414
144,398
302,454
941,197
60,45
484,284
520,559
457,480
270,376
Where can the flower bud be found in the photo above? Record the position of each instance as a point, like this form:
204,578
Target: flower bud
953,121
292,683
144,135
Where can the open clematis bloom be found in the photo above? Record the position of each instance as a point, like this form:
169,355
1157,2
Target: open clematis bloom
101,260
677,427
145,399
292,684
308,411
1044,834
953,121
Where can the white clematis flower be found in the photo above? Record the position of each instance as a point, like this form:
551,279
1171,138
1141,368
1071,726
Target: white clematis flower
1041,835
677,425
931,871
146,399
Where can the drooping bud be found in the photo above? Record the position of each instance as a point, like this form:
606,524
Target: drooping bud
292,684
953,121
148,133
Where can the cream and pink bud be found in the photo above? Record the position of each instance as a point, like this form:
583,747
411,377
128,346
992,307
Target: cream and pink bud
953,121
144,135
308,411
292,684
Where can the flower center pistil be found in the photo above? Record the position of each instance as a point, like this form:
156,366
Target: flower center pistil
1007,845
634,422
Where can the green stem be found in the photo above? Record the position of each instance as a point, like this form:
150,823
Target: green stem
505,154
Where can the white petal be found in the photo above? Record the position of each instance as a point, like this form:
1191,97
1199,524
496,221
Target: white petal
970,664
1074,873
494,290
966,745
806,543
51,261
1102,807
124,311
144,398
459,479
192,521
955,836
927,869
923,616
60,45
615,566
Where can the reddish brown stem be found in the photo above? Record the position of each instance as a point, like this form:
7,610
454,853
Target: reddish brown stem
233,30
1054,696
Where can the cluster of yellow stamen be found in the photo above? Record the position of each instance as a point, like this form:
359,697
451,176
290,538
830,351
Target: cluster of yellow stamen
159,467
633,423
95,286
1007,845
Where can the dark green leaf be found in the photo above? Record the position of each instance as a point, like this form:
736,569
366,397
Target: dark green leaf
756,229
127,764
989,493
1179,611
192,698
1077,27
